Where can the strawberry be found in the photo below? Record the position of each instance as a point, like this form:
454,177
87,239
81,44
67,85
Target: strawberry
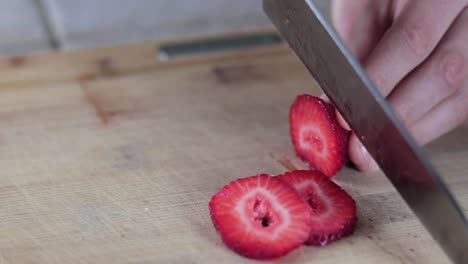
260,217
316,135
333,210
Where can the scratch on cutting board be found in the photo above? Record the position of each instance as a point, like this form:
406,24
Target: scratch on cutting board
2,258
95,218
394,209
104,116
285,162
376,242
17,61
106,66
87,77
131,156
236,73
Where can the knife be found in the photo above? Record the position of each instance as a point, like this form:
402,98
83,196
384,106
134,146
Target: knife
373,120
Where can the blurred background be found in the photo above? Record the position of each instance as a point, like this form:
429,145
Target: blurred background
30,26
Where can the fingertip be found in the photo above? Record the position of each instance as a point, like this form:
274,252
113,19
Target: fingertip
325,98
360,157
341,121
339,117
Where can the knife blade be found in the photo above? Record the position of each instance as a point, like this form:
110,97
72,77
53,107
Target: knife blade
373,120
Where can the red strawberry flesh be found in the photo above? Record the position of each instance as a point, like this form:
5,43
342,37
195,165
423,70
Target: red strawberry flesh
260,217
317,137
333,210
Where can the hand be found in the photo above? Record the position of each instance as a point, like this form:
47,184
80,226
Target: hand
416,53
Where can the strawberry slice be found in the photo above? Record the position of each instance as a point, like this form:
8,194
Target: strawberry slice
333,210
317,137
260,217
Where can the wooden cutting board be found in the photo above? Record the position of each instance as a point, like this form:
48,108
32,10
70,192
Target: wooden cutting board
111,155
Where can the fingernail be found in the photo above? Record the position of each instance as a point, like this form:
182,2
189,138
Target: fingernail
341,121
363,150
371,164
325,98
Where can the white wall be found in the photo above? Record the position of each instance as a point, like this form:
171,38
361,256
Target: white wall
25,26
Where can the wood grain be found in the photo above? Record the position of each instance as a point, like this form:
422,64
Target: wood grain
119,168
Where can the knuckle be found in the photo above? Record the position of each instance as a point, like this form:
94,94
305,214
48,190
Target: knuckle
464,117
459,106
405,113
452,69
418,38
464,111
378,79
460,115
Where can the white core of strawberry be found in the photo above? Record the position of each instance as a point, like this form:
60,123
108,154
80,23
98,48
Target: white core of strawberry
267,233
327,204
309,137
